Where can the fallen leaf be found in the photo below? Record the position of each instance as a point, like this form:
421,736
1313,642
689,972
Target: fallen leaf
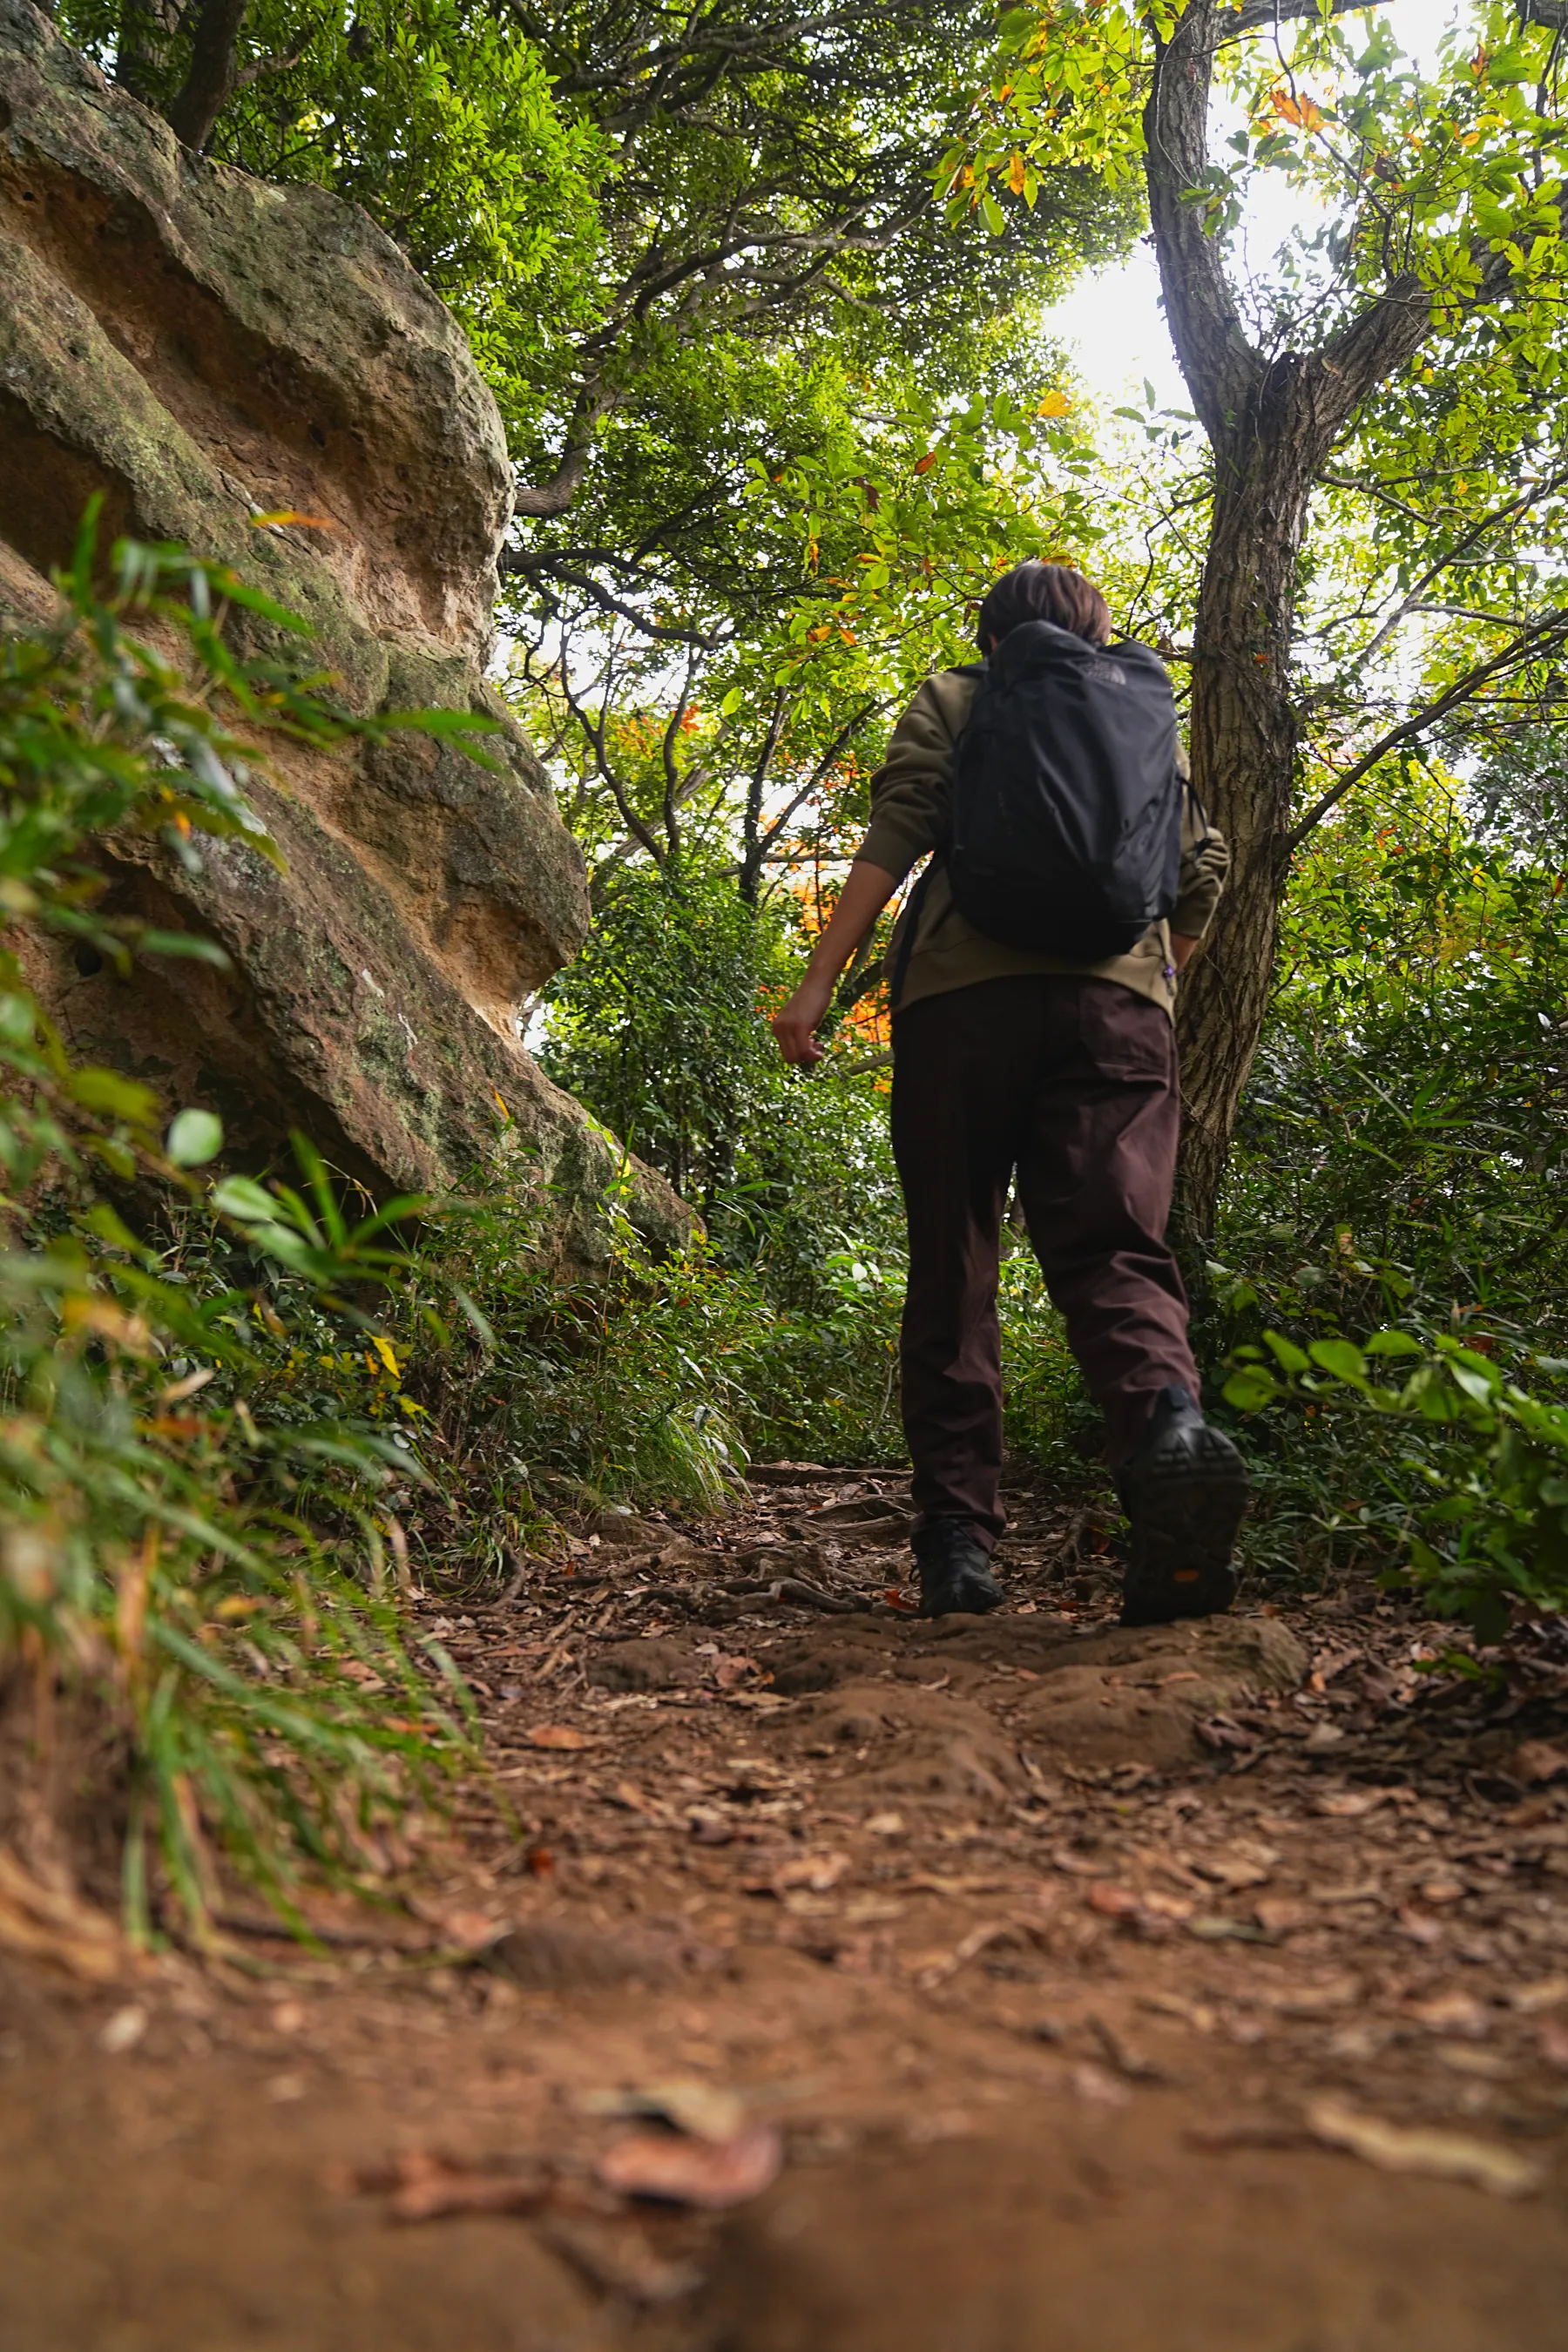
124,2030
884,1825
714,2174
555,1734
1440,2155
1077,1865
1537,1759
1168,1906
1280,1915
1213,1927
1553,2043
1546,1992
1451,2012
1094,2084
1225,1736
1114,1902
1235,1871
1195,2013
1419,1929
427,2186
701,2109
1350,1804
978,1940
1464,2058
728,1672
815,1873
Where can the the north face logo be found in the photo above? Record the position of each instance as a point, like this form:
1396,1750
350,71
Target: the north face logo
1105,673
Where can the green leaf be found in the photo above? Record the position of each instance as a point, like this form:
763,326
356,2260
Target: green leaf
194,1138
240,1197
1340,1358
1393,1343
1285,1352
106,1092
1250,1390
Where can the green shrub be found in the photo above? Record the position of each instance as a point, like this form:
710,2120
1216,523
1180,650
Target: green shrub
1474,1469
175,1531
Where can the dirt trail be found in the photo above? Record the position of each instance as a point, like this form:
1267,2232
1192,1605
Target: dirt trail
1099,1990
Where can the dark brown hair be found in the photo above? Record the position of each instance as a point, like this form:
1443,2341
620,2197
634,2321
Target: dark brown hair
1043,592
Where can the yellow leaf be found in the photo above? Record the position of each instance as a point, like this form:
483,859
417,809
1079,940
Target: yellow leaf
1015,173
388,1354
1055,404
281,517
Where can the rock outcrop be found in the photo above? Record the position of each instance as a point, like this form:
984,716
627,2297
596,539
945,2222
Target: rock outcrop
202,348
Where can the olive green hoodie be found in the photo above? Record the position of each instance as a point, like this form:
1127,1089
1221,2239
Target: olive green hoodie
909,795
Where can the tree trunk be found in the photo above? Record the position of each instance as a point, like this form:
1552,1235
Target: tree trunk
214,73
1271,426
1243,732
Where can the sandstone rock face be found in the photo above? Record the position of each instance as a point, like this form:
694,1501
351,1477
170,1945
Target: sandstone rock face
201,348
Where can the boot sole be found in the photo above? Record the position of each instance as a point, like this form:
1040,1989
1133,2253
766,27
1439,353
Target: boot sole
1183,1533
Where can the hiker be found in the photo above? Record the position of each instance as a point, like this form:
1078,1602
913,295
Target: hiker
1034,983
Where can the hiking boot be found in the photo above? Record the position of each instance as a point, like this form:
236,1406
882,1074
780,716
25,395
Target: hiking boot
1185,1493
955,1570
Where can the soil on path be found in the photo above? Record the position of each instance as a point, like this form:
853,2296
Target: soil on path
1205,1988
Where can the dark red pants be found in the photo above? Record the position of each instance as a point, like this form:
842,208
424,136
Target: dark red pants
1071,1083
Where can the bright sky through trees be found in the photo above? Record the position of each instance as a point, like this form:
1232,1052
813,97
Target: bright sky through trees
1112,321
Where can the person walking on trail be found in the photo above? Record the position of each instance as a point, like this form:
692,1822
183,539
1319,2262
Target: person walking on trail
1034,980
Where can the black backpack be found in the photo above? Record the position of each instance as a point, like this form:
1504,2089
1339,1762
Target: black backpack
1066,830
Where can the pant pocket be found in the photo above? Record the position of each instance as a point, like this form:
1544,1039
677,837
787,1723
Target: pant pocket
1126,1036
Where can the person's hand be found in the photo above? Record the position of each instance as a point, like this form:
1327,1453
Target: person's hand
797,1026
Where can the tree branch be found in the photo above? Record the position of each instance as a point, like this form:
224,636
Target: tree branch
213,73
1551,630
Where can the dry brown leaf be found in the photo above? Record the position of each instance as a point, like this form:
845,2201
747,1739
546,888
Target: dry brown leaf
816,1874
1452,2012
1440,2155
1350,1804
427,2186
701,2109
1535,1760
1553,2043
1235,1871
1280,1915
714,2174
1115,1902
1546,1992
555,1734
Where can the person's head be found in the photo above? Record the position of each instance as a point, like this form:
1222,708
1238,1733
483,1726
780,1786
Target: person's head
1043,592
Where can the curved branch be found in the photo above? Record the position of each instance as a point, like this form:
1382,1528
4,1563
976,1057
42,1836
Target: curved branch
1550,631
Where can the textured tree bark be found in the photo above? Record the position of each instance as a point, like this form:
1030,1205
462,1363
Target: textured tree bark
213,75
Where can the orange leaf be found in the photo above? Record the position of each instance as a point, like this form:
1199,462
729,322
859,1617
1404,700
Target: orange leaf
1015,173
555,1734
279,517
923,464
